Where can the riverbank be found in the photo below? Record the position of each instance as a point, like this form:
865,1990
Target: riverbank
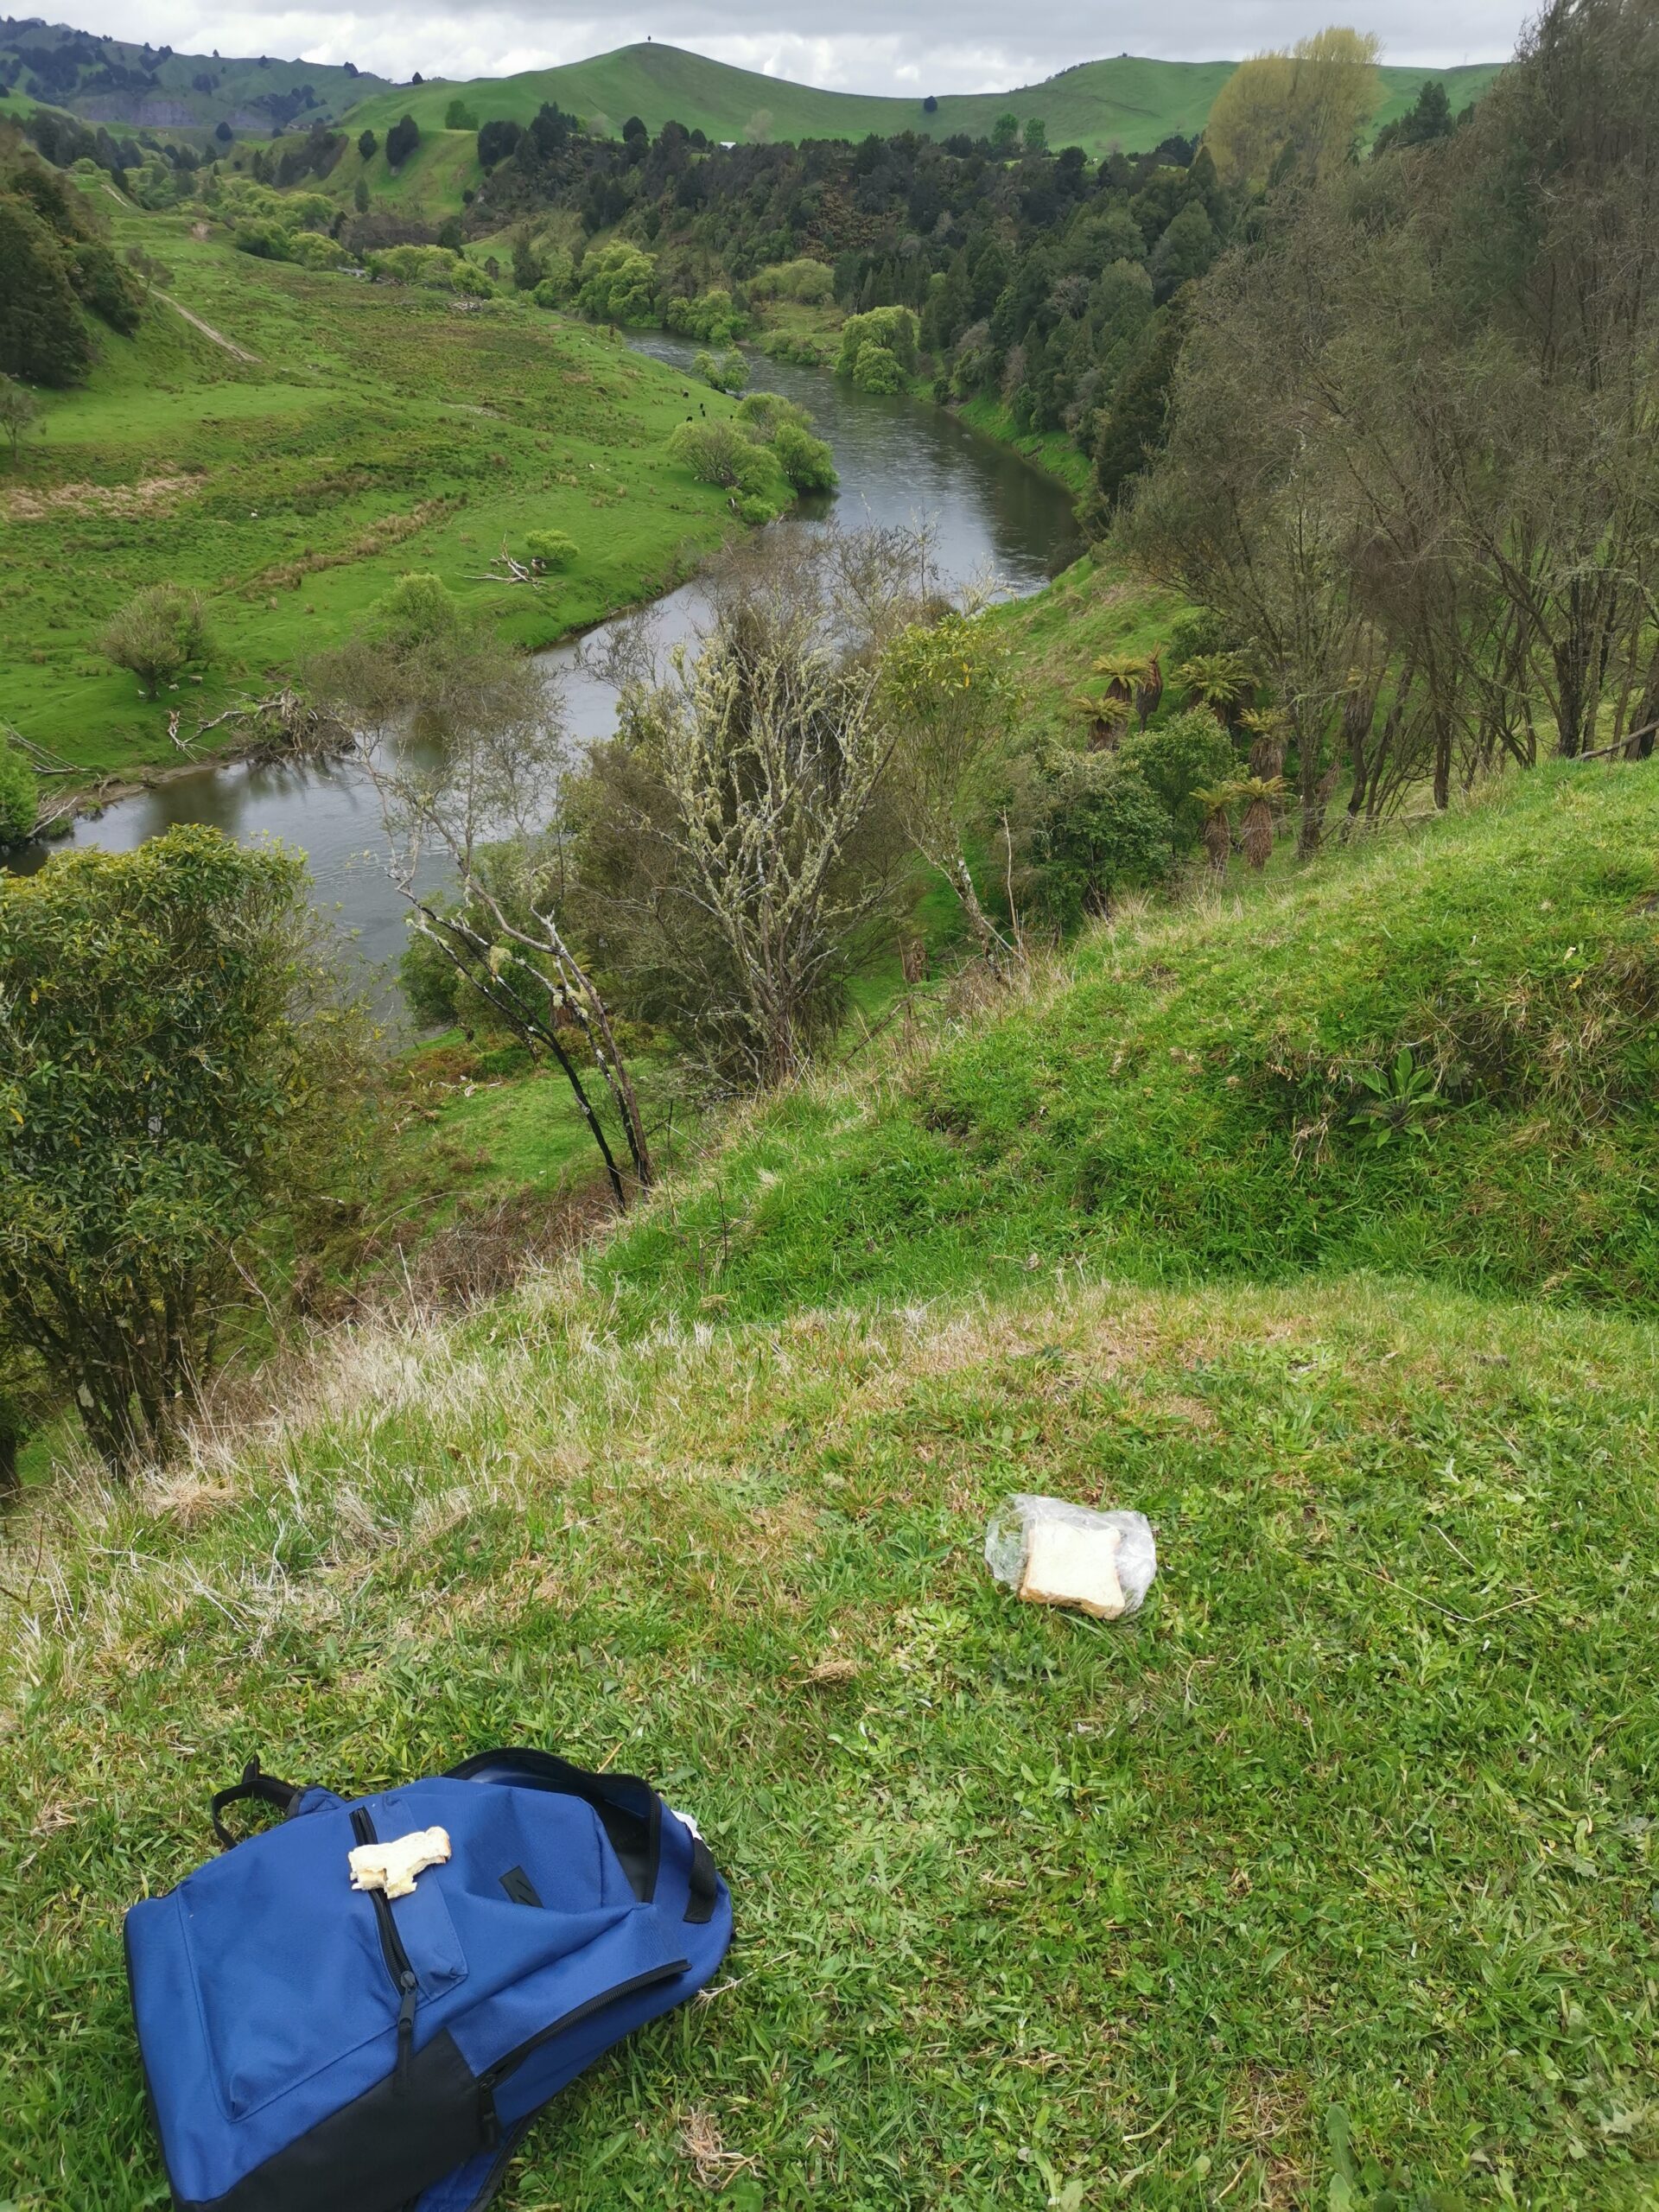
358,430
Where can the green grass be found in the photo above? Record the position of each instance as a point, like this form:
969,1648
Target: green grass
381,429
1129,103
1183,1102
1357,1812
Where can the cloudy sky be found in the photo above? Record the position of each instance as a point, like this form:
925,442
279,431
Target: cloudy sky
869,46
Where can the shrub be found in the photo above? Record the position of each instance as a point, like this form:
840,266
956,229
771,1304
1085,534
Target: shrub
619,285
812,283
710,317
313,251
459,116
171,1073
402,140
805,460
20,798
718,452
1181,757
1102,829
158,634
266,241
551,548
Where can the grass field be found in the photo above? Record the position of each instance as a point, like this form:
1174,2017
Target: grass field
377,428
1327,1881
1129,103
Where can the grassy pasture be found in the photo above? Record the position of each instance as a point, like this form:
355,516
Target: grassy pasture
378,428
1131,102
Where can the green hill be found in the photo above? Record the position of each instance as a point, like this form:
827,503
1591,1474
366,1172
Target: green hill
1323,1882
112,80
1130,102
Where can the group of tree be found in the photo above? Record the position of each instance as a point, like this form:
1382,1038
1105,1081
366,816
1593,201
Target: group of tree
1411,462
56,266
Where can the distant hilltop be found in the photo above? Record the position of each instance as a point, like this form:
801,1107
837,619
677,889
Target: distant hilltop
1128,102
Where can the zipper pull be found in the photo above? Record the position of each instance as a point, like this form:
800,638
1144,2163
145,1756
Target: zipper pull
411,1989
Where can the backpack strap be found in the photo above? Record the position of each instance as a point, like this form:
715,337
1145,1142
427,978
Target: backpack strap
263,1788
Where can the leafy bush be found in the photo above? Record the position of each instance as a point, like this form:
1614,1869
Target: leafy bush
1102,829
1179,758
170,1073
710,317
810,283
718,452
158,634
807,462
459,116
313,251
265,240
551,548
20,801
436,268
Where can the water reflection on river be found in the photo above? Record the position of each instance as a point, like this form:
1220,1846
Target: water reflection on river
987,512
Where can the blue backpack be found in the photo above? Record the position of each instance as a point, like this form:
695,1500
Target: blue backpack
313,2047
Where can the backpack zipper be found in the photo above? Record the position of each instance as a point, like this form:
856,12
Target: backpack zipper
396,1958
490,2126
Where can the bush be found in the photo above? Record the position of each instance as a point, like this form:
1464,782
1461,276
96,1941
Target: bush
313,251
805,460
1183,755
551,548
619,285
43,337
710,317
266,241
812,283
402,140
367,145
1102,829
171,1075
459,116
20,798
158,634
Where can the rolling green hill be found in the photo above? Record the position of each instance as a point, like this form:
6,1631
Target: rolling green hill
1129,102
112,80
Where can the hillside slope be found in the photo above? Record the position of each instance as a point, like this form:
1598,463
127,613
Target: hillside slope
115,81
1326,1881
1130,102
1193,1099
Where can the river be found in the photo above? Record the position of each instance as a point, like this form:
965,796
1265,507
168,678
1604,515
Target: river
988,513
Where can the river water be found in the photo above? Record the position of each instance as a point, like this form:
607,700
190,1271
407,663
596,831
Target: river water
987,514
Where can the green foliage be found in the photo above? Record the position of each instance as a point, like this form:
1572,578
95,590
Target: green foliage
20,412
806,461
367,145
1036,134
169,1076
619,285
729,372
458,116
1101,830
720,452
806,282
875,368
1399,1098
43,337
892,331
20,798
551,548
1177,758
436,268
710,317
264,238
157,635
401,139
312,249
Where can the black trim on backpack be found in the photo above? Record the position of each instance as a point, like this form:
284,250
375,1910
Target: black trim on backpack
704,1886
630,1811
264,1788
378,2153
520,1887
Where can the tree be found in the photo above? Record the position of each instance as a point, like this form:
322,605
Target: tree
1100,831
224,133
459,116
42,336
526,262
946,692
1429,117
20,798
731,846
401,141
1036,134
619,285
175,1065
367,145
20,412
759,127
1307,107
1005,134
481,785
157,634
